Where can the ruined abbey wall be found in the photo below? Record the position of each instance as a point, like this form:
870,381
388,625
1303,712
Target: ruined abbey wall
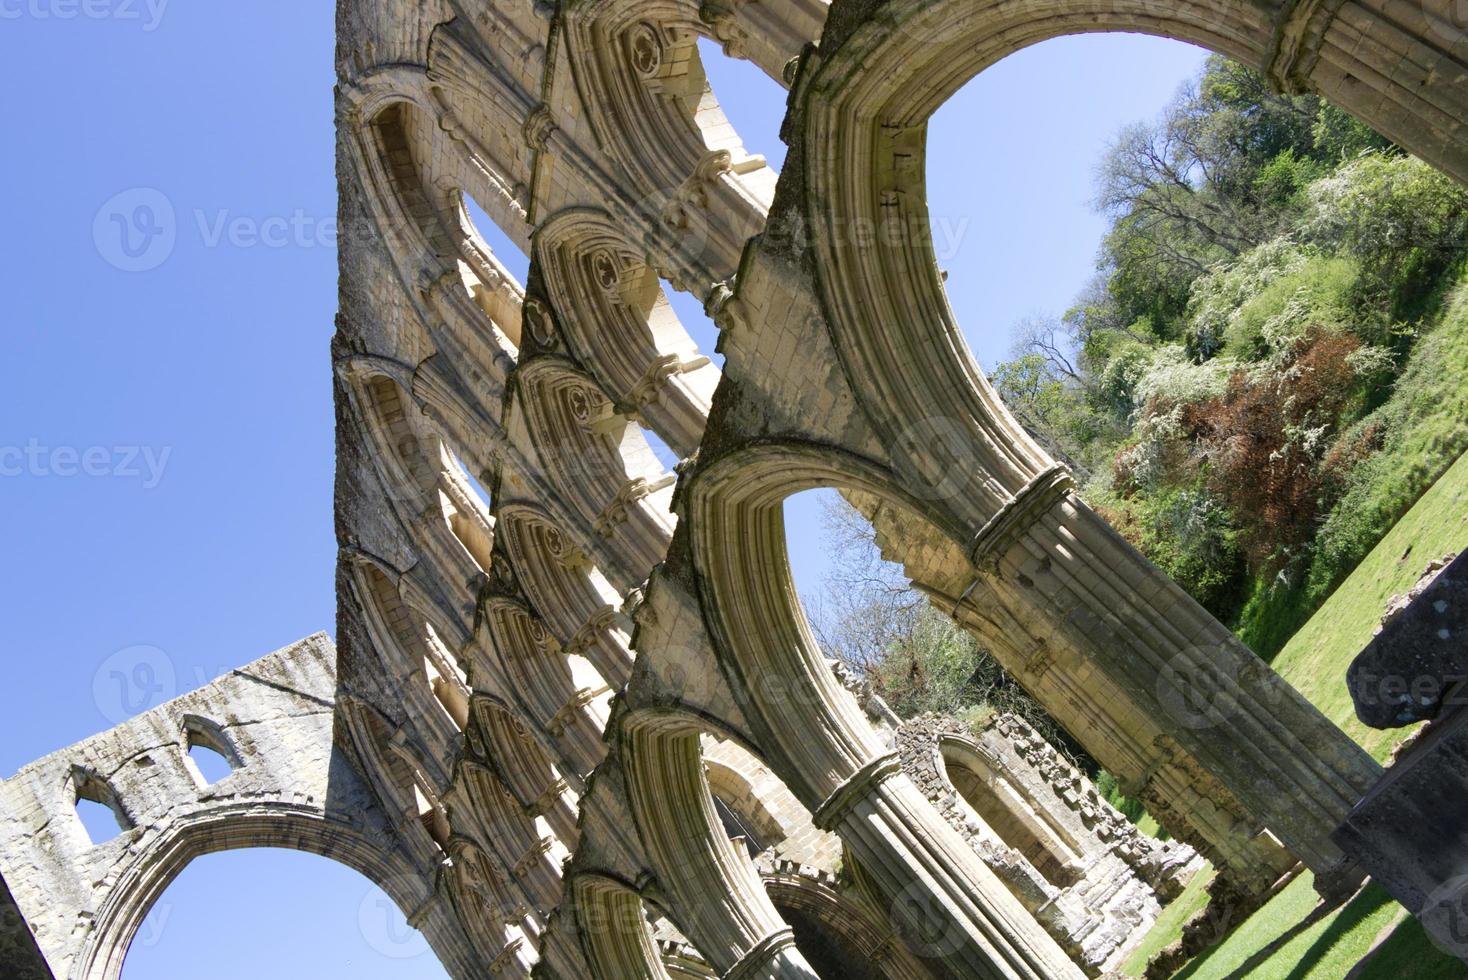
577,715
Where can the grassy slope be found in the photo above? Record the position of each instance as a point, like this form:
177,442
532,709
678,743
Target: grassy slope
1170,924
1315,660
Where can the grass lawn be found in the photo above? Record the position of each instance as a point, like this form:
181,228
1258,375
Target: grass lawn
1288,939
1316,658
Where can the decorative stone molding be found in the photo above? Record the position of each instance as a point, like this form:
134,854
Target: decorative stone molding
1037,498
722,17
756,963
830,814
540,126
1300,33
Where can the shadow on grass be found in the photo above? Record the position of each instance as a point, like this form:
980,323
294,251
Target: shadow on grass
1358,910
1348,917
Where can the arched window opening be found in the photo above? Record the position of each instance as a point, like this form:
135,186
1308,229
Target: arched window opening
500,245
485,497
392,613
829,954
101,814
673,61
688,310
431,814
210,754
738,829
754,106
1080,92
408,466
211,920
466,506
666,458
448,682
864,611
403,135
209,766
1013,817
494,271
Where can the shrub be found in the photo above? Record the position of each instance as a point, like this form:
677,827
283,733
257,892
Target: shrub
1266,438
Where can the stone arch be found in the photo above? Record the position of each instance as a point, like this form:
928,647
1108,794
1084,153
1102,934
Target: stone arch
599,459
300,790
395,774
686,841
507,745
528,849
406,449
864,138
866,946
400,623
399,137
1049,564
577,602
613,929
832,759
474,102
417,170
638,65
149,874
618,321
466,515
562,692
732,788
1010,811
203,732
494,919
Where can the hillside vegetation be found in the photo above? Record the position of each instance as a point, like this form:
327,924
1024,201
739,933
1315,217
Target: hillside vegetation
1272,365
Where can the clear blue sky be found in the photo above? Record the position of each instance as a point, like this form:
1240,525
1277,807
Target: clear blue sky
201,387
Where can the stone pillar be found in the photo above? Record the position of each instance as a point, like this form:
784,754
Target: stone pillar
945,902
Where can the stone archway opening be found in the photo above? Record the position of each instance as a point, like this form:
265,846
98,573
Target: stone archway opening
1014,818
1019,256
228,916
831,955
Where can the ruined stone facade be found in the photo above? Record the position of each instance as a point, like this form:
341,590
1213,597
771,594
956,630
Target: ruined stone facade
579,725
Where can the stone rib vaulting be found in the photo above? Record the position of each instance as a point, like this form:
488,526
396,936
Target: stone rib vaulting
576,723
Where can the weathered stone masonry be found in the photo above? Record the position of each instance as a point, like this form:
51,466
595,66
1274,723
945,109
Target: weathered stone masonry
578,725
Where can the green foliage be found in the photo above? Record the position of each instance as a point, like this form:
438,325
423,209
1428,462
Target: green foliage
1405,222
1110,791
1191,537
1412,440
1271,368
